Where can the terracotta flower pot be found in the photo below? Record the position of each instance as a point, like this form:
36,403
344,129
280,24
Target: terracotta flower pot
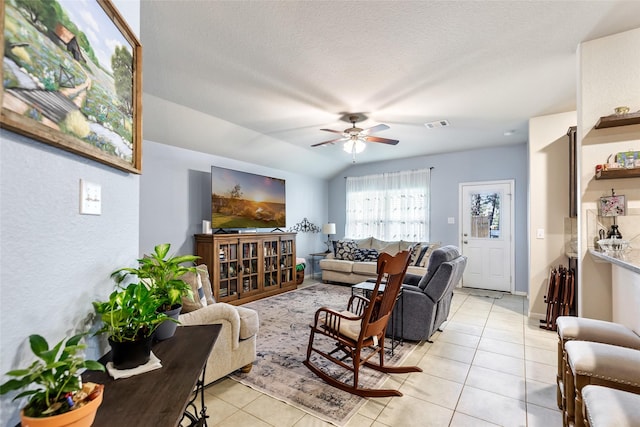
81,417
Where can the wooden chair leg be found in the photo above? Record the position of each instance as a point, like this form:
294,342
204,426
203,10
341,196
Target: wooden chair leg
560,375
580,382
569,399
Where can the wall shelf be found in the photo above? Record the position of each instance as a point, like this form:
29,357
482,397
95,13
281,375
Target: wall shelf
618,173
618,120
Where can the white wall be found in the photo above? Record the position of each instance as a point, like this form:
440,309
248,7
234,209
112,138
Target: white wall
548,200
53,261
175,197
608,77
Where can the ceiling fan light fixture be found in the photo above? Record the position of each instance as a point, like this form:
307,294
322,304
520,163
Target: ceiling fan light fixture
354,145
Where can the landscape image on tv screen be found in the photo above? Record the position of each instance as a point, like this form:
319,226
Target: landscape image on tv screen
246,200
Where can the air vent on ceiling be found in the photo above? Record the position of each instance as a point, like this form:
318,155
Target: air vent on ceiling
437,124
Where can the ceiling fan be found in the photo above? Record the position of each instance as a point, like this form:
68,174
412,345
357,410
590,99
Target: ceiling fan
354,137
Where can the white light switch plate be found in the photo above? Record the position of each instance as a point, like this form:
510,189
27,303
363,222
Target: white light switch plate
540,233
451,220
90,198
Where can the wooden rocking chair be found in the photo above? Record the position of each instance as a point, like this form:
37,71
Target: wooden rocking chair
359,332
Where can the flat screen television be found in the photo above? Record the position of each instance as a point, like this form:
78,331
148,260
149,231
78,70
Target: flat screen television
246,200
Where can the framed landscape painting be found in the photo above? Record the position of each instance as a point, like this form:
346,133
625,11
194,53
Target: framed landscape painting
71,77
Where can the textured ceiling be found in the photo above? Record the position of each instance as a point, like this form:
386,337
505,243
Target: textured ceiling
256,80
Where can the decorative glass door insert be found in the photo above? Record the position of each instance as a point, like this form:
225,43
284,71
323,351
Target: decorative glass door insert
485,215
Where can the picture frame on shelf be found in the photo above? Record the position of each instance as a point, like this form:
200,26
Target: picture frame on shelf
615,205
67,89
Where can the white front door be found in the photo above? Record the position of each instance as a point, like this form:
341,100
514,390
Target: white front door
487,228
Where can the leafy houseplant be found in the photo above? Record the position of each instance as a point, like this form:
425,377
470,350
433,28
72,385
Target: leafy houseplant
300,273
56,376
130,316
162,275
130,313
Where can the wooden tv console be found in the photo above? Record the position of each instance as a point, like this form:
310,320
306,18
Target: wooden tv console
248,266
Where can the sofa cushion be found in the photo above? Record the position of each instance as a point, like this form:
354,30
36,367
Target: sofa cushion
340,265
405,245
414,269
391,248
345,249
363,243
367,268
361,254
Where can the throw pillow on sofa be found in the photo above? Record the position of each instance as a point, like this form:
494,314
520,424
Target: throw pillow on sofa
345,249
362,254
418,252
201,288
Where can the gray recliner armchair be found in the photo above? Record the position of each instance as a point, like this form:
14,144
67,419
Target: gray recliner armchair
426,300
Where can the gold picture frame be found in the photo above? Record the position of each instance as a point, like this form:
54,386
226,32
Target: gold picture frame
72,78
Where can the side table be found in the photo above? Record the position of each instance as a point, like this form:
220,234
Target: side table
164,397
366,288
319,255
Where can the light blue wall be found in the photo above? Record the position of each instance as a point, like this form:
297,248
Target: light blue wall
449,170
175,196
53,261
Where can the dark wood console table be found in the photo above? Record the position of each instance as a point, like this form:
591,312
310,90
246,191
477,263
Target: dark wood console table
159,398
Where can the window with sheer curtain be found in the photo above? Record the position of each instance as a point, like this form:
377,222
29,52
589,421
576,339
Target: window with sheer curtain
389,206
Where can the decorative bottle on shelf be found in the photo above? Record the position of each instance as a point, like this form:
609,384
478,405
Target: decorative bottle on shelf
614,233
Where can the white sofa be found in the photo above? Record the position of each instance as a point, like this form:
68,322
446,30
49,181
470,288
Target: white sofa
352,271
235,347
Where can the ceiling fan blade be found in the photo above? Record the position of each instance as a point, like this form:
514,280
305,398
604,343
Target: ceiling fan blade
383,140
331,141
376,128
331,130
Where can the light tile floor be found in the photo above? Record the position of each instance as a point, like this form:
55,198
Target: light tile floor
491,365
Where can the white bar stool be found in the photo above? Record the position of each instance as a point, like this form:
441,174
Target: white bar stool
584,329
592,363
608,407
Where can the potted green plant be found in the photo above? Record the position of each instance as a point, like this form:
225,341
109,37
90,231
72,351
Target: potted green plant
162,273
130,318
300,273
59,398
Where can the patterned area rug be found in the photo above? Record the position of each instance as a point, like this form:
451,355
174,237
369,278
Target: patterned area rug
282,346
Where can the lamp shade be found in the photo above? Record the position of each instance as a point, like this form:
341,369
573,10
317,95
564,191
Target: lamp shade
329,228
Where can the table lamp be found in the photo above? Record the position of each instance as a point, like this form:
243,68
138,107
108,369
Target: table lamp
329,229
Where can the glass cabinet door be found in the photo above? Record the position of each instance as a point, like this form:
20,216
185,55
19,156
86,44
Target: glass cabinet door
287,263
249,272
228,274
270,257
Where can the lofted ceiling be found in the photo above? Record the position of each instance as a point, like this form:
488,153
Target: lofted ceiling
257,80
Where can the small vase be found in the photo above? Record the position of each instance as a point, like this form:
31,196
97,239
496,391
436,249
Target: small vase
130,354
167,328
614,233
